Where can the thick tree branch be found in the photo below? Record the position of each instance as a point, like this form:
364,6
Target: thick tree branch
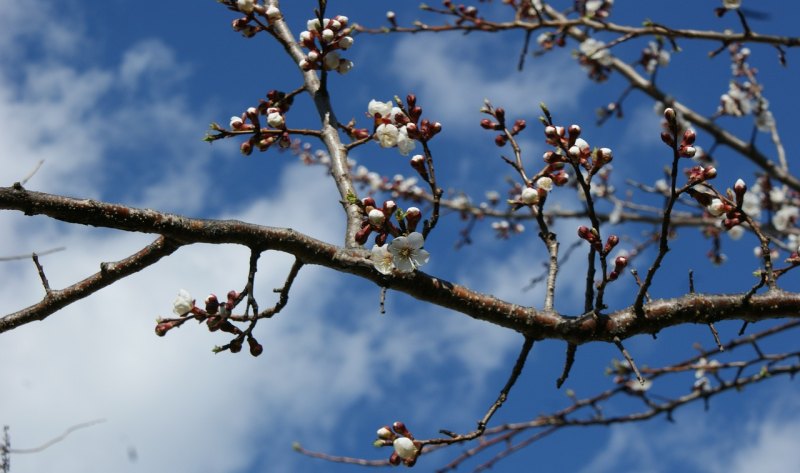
109,273
537,324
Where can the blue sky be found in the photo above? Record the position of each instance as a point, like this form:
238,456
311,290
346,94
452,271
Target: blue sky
116,98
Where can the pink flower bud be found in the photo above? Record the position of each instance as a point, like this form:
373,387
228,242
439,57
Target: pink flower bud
688,137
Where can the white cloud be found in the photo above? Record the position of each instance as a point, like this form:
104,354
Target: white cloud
756,439
447,72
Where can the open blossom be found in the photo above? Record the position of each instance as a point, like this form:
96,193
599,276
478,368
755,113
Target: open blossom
384,109
183,303
596,51
387,135
407,252
784,218
404,144
382,259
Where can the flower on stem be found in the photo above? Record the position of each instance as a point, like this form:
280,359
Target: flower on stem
407,252
183,303
382,259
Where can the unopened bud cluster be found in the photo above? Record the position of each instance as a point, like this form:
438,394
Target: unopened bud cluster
324,39
571,148
215,314
406,449
246,26
263,135
498,123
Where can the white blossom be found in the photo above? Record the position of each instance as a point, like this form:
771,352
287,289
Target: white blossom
784,217
387,135
735,233
245,6
545,183
273,13
332,60
529,196
236,122
405,144
407,252
716,208
383,108
376,218
382,259
313,24
183,303
596,51
405,448
275,120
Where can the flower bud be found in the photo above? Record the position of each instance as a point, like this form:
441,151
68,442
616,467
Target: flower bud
669,115
529,196
666,137
255,347
376,218
688,137
235,346
739,189
405,448
500,114
413,216
487,124
611,242
363,234
500,140
212,304
400,428
385,433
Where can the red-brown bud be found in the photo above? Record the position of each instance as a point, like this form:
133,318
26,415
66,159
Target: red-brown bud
235,346
255,347
667,138
363,234
500,140
487,124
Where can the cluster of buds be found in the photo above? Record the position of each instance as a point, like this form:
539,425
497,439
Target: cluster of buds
396,127
377,220
531,196
571,148
698,174
463,13
549,39
654,56
593,238
406,449
215,315
251,8
499,124
324,38
729,207
595,58
686,147
504,229
274,109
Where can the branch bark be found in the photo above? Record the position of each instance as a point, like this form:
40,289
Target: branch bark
178,230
